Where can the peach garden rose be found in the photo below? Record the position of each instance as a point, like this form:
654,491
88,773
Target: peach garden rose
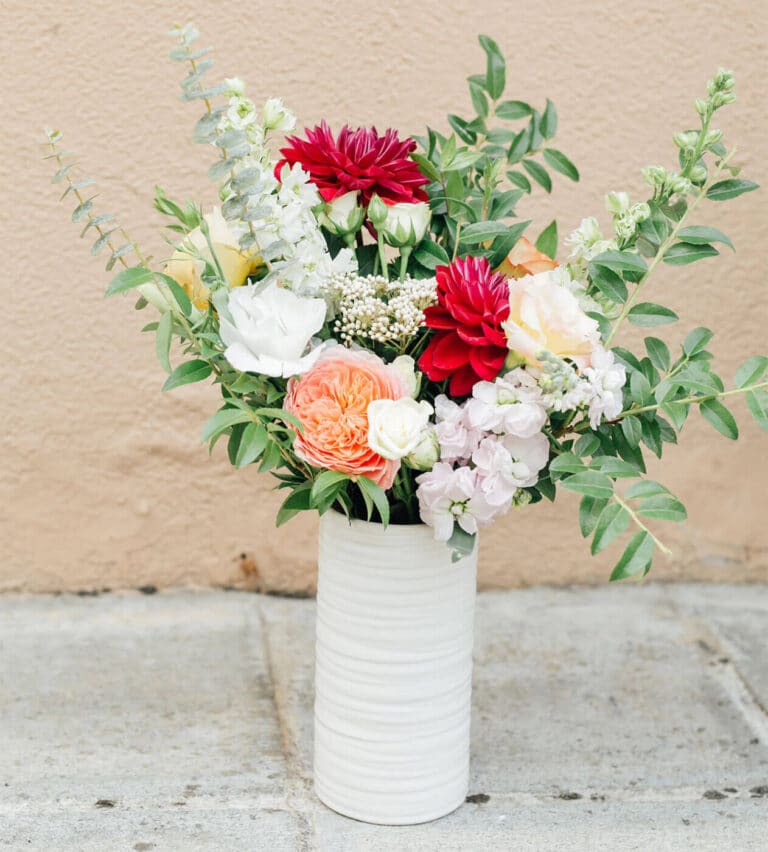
331,402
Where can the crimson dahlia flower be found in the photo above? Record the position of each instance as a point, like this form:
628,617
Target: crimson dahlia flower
469,344
357,160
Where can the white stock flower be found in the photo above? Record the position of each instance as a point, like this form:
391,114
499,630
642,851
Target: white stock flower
507,463
457,439
269,330
511,404
276,117
406,224
449,495
606,379
235,86
395,426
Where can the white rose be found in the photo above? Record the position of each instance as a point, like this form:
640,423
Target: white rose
406,224
343,215
426,453
395,426
406,367
545,317
269,330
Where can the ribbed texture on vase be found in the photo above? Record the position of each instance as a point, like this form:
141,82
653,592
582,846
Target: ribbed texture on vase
393,674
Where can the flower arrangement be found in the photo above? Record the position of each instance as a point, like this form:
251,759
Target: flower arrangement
388,343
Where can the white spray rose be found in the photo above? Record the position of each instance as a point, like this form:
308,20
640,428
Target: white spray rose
406,224
395,426
269,330
406,367
343,215
426,453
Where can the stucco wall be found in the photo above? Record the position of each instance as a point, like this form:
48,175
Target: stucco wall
102,480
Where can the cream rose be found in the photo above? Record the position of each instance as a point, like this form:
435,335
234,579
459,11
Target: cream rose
396,426
187,265
545,316
406,224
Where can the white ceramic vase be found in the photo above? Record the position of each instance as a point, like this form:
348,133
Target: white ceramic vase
393,675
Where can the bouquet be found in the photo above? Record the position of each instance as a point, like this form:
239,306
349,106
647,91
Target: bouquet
390,345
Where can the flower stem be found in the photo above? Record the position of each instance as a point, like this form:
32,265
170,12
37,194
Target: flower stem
405,253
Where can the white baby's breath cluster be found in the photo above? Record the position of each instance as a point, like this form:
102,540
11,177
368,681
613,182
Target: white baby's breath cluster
374,309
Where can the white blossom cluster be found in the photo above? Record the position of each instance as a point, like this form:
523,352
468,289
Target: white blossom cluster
372,308
277,216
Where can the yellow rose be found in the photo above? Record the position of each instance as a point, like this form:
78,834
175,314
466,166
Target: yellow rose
525,259
187,269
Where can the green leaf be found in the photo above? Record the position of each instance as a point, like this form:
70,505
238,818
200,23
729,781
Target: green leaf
731,188
504,244
223,419
298,501
547,239
373,495
560,163
512,110
495,74
538,173
609,283
549,120
662,507
82,210
426,167
641,389
718,415
252,444
326,483
178,293
460,126
677,413
681,254
614,467
636,557
658,352
632,430
590,482
566,463
700,235
696,341
431,255
645,488
587,445
163,340
590,509
280,414
647,315
479,100
520,145
519,180
128,279
187,373
613,521
479,232
757,403
751,371
621,261
461,543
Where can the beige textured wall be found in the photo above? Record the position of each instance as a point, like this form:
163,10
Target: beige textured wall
102,480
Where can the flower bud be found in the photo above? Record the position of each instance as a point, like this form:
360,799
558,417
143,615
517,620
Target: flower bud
698,175
235,87
377,212
426,453
405,224
701,106
686,139
640,211
406,367
616,202
713,136
343,216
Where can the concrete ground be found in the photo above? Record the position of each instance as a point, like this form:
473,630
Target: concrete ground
614,718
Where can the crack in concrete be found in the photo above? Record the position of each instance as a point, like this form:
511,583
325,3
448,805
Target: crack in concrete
297,790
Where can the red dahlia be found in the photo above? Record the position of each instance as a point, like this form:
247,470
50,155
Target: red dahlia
357,160
469,344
